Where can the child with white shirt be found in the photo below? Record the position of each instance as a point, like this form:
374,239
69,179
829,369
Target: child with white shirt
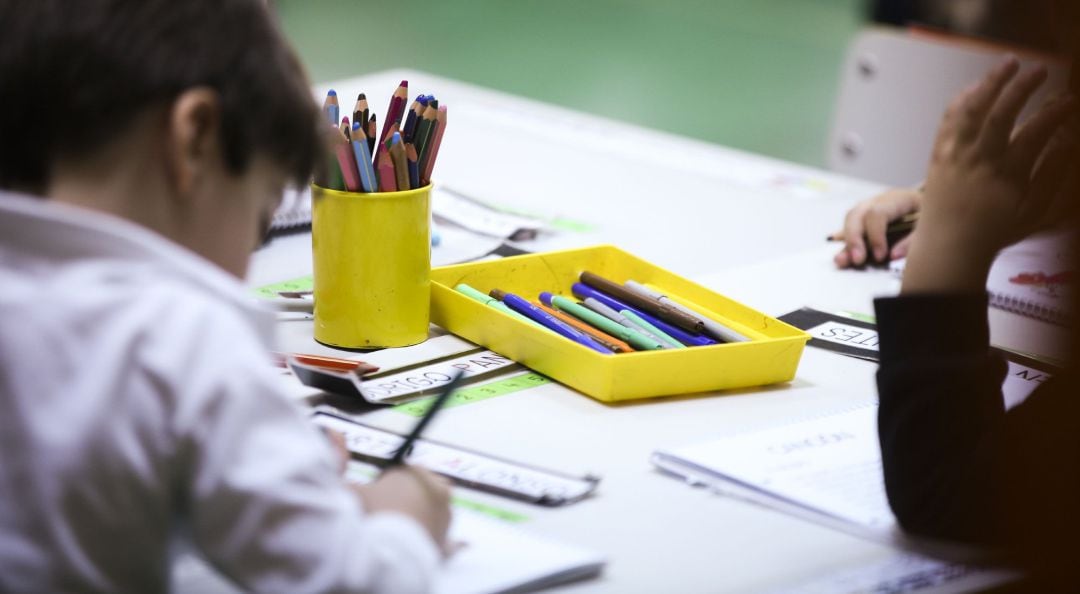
143,148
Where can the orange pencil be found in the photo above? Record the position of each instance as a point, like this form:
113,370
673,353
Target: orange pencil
605,339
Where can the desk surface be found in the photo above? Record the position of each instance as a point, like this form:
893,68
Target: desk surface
745,225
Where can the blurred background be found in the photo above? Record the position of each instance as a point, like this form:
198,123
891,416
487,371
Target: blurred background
758,75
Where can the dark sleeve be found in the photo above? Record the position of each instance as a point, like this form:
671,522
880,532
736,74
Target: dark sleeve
956,464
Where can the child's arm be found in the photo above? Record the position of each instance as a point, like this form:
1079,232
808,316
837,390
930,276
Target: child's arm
956,464
263,494
864,232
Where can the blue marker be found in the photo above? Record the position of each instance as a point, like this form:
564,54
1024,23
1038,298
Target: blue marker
549,321
583,291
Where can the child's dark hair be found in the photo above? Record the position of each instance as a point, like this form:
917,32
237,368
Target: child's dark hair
74,73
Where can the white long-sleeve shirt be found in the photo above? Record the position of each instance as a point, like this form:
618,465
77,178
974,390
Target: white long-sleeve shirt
137,406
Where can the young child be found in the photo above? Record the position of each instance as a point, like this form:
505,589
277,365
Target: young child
143,148
957,465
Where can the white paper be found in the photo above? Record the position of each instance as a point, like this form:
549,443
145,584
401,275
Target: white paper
831,465
430,377
1020,382
498,557
846,334
476,217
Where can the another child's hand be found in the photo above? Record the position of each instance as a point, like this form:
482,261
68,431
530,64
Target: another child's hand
979,194
415,492
867,222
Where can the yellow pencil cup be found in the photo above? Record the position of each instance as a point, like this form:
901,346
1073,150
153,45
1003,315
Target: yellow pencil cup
372,257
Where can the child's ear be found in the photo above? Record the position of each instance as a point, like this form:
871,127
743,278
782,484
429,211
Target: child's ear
192,138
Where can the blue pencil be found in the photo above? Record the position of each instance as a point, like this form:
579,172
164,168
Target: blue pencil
363,158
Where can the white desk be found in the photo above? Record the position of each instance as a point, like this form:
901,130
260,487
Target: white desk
696,209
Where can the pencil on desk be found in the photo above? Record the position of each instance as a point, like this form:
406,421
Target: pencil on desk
400,161
427,160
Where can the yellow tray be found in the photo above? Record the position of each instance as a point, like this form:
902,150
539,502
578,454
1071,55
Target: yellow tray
770,357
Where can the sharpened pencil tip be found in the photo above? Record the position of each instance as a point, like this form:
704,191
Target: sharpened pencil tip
331,93
361,97
404,83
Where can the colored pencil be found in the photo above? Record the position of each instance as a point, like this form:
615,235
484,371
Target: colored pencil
345,128
385,167
361,111
363,159
414,167
371,128
410,120
396,109
423,129
400,161
330,107
427,160
347,162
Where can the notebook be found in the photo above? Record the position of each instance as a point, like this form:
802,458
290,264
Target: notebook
293,214
1034,278
826,469
498,557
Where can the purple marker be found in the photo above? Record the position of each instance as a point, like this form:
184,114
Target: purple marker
583,291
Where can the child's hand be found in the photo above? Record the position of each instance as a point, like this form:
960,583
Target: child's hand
987,185
414,492
868,220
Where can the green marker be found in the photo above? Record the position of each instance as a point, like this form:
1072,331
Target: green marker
651,329
635,338
475,295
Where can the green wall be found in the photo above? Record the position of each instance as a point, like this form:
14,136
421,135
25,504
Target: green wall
756,75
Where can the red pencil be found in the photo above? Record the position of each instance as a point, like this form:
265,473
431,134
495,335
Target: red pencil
396,109
387,182
347,162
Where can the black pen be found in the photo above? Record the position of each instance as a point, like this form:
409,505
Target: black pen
440,400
